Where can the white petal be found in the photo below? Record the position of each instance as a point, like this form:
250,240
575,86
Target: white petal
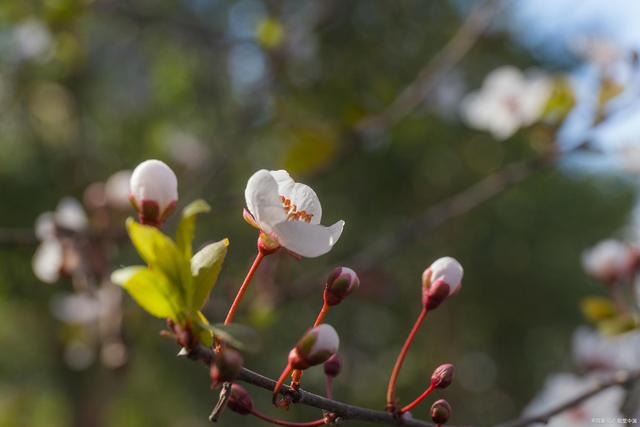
449,271
308,240
285,182
263,200
327,339
48,260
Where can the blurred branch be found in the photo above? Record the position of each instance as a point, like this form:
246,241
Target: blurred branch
451,207
344,411
622,378
17,237
440,64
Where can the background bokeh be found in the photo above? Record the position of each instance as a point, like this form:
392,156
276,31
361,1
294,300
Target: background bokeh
220,89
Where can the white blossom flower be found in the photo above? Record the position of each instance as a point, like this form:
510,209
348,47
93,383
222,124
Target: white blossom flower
289,213
70,215
154,191
593,350
562,387
507,101
116,189
447,270
32,39
609,260
75,308
48,260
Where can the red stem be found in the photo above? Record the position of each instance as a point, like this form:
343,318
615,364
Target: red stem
269,419
321,314
419,399
329,387
281,380
391,388
297,374
243,288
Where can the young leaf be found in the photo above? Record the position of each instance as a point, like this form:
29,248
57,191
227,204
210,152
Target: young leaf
151,290
186,228
160,253
205,267
596,308
236,335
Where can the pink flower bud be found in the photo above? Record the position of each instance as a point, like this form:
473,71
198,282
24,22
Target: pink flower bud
440,411
240,400
153,191
342,281
441,280
333,366
315,347
442,376
225,366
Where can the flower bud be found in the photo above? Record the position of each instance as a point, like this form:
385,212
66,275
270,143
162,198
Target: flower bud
440,411
153,191
225,367
441,280
333,366
315,347
342,281
442,376
240,400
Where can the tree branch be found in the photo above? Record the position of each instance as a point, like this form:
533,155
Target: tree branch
440,64
621,378
344,411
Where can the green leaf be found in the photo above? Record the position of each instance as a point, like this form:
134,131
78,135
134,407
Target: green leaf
236,335
205,267
151,290
161,253
187,226
596,308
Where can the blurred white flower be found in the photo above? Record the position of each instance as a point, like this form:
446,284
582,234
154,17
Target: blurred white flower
609,260
117,190
562,387
599,51
48,260
593,350
70,215
507,101
75,308
289,213
32,39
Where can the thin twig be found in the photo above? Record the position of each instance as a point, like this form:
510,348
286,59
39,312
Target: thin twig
439,65
622,378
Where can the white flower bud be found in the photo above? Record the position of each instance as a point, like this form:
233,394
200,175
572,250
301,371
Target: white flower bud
315,347
154,191
447,270
70,215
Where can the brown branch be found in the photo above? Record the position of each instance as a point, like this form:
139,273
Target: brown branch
344,411
622,378
440,64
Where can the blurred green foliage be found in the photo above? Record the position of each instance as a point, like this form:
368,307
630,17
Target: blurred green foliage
220,89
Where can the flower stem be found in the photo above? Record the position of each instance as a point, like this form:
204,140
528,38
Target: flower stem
297,373
391,388
321,314
281,381
329,387
269,419
243,288
419,399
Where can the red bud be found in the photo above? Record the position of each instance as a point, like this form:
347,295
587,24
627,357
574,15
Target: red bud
240,400
442,377
440,411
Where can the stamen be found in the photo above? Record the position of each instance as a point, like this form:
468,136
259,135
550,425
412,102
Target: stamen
292,212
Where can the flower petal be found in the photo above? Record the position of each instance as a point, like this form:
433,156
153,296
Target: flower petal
306,200
308,240
285,182
263,200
